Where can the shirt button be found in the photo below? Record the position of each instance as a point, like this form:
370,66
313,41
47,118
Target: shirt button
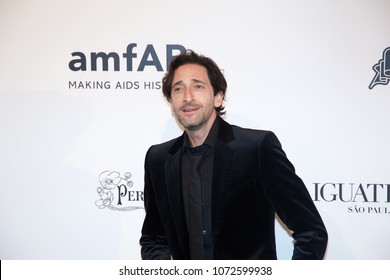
204,232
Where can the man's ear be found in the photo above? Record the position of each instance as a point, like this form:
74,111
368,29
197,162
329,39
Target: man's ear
218,99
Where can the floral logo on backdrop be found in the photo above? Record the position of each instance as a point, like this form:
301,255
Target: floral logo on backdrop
116,190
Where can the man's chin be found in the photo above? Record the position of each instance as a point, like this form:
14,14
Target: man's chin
192,126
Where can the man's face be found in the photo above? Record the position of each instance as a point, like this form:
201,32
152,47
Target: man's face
192,97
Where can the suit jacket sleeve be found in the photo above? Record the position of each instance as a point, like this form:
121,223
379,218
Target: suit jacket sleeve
153,242
292,202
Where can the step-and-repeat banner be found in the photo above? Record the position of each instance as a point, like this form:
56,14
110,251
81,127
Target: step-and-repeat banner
81,102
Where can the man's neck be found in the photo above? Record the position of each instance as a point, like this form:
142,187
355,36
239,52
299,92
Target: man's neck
199,135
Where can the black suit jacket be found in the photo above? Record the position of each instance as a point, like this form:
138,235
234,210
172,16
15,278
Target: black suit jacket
252,179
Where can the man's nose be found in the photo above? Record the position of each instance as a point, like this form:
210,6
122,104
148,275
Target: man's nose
188,97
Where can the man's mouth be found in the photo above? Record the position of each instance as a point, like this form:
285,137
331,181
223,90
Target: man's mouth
190,110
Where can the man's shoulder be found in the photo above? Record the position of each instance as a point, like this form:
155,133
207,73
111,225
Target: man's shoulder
233,132
246,139
167,144
164,148
242,133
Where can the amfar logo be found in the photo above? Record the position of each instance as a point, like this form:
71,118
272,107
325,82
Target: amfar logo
84,62
382,70
141,80
116,190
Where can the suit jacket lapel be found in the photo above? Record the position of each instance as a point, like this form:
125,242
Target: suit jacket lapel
223,157
175,195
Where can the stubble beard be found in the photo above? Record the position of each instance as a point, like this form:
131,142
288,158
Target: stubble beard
191,125
195,122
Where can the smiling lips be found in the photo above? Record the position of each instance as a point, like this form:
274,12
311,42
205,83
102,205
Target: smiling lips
190,109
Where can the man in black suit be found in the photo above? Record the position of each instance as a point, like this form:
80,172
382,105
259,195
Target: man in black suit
213,192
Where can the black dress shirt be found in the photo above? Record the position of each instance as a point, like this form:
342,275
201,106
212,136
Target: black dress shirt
197,173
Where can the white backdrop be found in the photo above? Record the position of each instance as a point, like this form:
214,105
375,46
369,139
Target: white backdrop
75,140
